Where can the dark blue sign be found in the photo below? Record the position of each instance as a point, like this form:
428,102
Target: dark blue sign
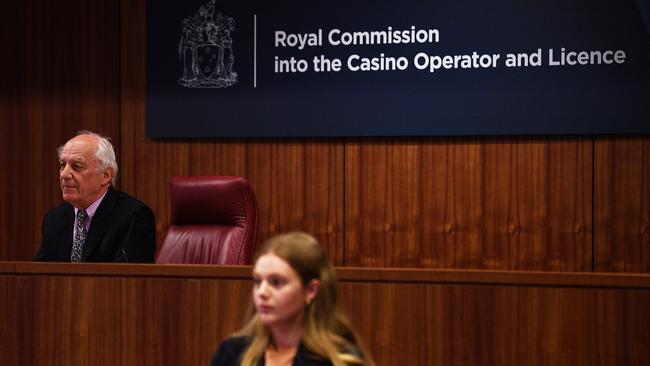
368,68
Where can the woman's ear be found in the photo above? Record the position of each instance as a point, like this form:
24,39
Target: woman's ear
312,290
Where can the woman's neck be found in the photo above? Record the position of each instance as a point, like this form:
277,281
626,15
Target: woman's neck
280,357
286,337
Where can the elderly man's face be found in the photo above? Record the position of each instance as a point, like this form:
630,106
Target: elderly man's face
81,181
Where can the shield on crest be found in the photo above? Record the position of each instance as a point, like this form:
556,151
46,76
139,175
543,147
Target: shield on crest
207,60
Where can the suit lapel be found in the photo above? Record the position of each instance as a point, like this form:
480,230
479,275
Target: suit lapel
99,224
67,232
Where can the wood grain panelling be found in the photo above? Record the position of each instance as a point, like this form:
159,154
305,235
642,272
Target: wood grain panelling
469,204
7,338
62,76
429,324
112,321
176,315
622,200
299,186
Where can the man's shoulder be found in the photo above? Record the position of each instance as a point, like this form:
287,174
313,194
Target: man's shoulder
59,211
125,201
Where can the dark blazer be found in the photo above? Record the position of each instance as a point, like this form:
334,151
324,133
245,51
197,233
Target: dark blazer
232,349
123,229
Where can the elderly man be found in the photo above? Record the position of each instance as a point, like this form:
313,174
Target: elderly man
96,223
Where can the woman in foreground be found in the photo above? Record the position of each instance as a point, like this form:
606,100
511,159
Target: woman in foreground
296,318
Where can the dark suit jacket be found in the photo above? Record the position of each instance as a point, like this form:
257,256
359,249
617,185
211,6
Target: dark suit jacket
232,349
123,229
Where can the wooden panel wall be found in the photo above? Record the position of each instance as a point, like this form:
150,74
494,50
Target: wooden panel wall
491,204
130,321
178,316
547,203
60,75
622,203
429,324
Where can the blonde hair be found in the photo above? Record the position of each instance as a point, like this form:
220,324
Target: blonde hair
326,331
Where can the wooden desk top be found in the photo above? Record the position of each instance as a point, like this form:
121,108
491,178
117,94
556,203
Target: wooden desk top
345,274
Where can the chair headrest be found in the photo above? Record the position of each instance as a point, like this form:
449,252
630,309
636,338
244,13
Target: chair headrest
211,200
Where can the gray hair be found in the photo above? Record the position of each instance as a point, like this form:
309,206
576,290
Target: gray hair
104,154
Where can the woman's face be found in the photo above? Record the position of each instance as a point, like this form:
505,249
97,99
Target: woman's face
278,292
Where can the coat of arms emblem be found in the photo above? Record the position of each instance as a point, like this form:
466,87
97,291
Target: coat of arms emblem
205,49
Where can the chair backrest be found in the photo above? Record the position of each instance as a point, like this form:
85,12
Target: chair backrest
213,221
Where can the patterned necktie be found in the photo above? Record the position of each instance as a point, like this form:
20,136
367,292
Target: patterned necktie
80,236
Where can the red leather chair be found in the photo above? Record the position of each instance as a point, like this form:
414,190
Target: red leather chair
213,221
